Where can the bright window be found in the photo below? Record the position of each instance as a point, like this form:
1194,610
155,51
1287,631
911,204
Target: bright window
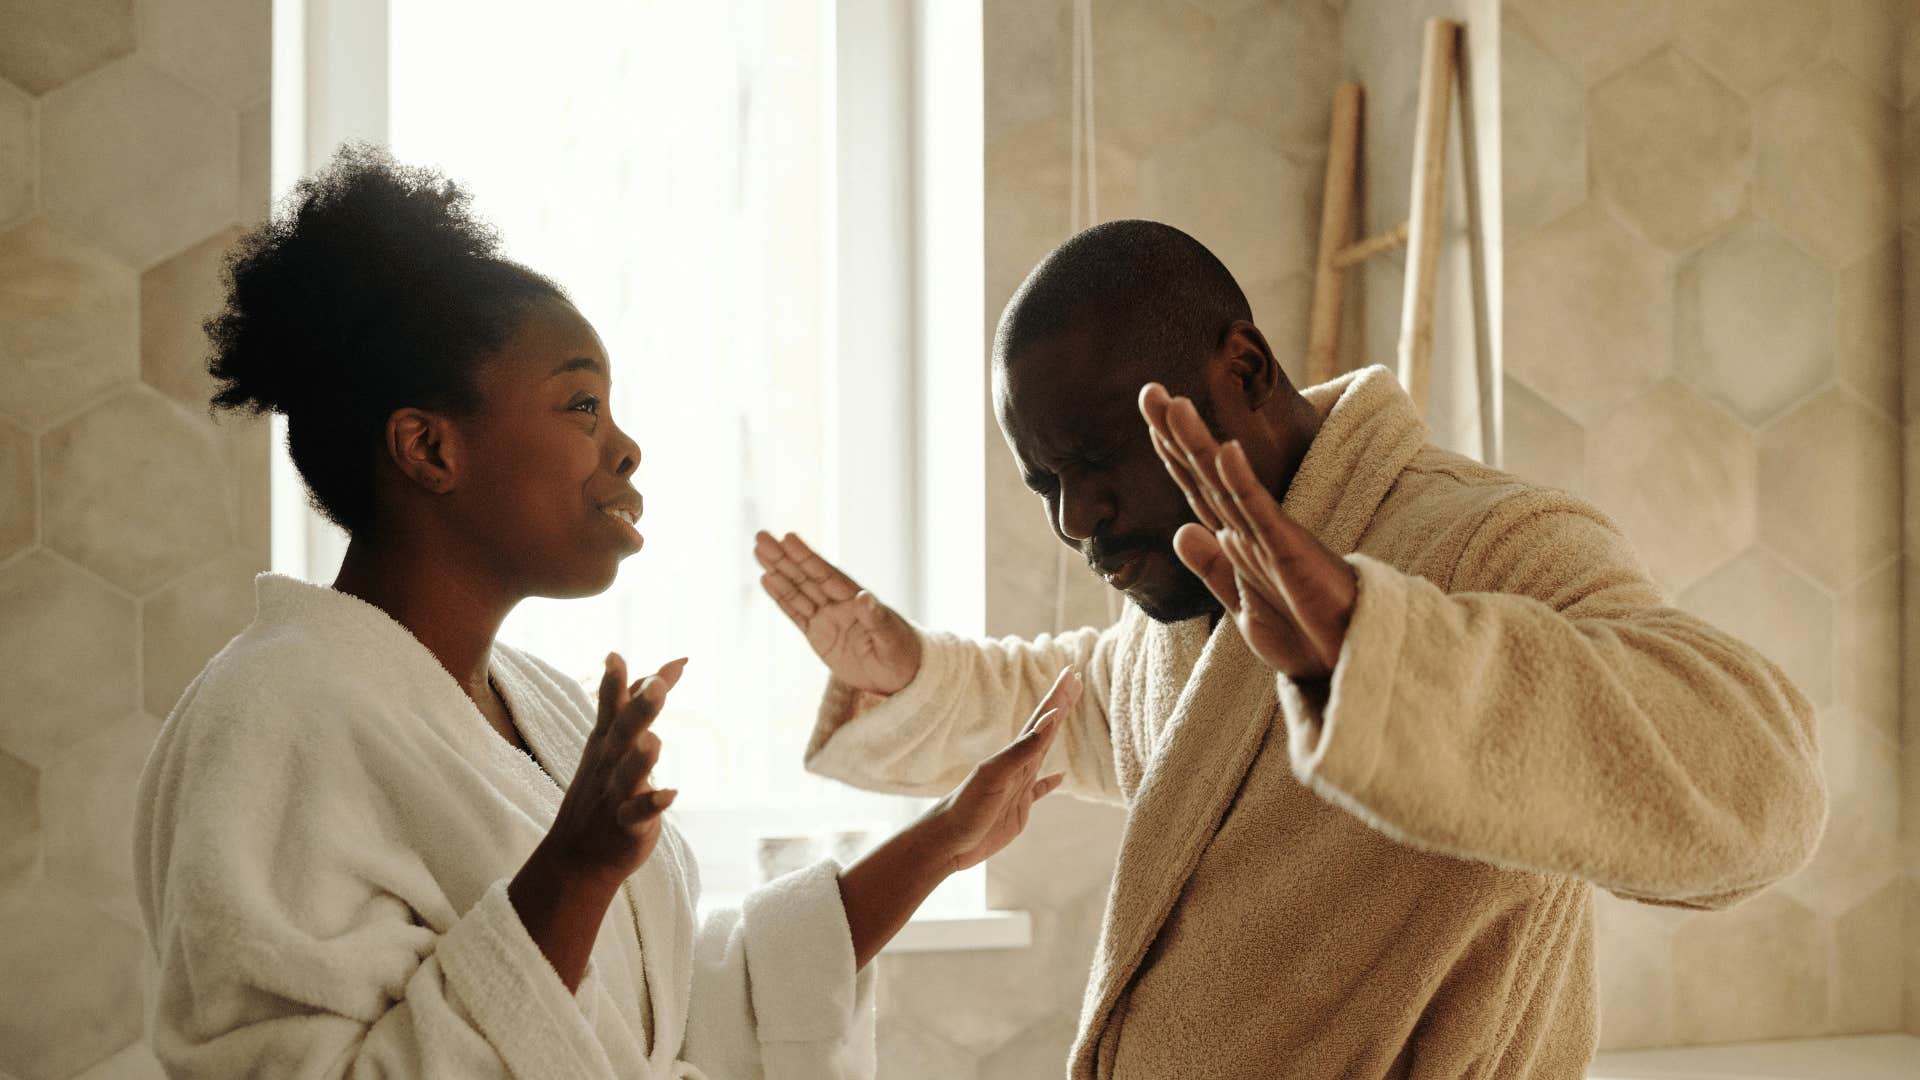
739,226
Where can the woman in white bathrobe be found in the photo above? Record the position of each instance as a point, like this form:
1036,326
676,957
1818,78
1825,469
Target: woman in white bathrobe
375,842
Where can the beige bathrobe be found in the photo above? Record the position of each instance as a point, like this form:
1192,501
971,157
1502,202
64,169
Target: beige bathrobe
1399,885
326,829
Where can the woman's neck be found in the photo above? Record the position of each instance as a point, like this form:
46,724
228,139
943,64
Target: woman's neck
424,591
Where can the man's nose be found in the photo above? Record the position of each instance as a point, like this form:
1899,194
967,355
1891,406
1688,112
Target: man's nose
1082,510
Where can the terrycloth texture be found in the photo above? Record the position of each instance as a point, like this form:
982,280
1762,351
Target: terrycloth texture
326,829
1397,886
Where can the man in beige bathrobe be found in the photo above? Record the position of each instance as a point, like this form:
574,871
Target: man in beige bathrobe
1363,845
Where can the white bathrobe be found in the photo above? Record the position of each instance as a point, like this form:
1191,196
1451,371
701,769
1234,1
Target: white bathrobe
326,830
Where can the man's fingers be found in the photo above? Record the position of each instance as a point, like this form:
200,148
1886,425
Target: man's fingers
836,584
1265,523
644,807
789,597
1191,438
1183,478
1201,553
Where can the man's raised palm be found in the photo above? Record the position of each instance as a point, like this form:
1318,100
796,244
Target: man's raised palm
866,644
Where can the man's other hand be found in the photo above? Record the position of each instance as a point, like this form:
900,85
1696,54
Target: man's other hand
865,643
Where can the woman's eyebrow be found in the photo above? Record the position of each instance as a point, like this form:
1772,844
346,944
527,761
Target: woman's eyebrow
578,363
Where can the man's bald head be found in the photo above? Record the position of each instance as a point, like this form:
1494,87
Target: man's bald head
1154,298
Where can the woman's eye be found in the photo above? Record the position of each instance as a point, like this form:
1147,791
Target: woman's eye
588,405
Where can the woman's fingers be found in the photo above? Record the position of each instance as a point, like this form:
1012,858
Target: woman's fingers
644,807
1061,697
1046,784
612,681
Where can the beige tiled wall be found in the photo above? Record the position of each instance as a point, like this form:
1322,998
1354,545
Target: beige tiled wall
1702,334
1909,671
131,145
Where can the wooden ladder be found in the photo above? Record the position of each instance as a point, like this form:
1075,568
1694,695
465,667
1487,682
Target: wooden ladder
1440,73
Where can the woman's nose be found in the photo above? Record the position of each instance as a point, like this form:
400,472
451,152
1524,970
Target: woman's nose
626,451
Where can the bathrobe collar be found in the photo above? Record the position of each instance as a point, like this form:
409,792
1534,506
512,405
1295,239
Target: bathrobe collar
1220,721
373,638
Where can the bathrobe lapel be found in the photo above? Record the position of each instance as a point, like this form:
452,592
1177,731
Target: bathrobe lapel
1197,762
651,895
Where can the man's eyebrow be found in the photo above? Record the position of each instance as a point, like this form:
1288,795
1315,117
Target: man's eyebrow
578,363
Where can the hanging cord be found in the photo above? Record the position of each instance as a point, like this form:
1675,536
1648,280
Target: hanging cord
1083,211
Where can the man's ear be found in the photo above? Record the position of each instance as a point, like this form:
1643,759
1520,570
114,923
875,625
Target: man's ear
1251,364
426,448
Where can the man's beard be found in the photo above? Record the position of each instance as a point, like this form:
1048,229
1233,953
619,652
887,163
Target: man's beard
1188,597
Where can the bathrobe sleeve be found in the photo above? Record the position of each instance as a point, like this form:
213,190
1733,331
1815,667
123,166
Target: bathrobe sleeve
775,994
969,699
294,936
1548,712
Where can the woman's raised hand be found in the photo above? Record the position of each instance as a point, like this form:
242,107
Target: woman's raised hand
865,643
990,807
609,821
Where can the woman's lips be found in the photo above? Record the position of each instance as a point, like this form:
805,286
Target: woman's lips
626,519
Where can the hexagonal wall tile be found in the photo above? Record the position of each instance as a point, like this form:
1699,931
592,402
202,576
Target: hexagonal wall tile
1068,850
71,665
905,1050
1828,471
1866,41
1041,1050
68,327
135,1062
249,449
1027,60
19,167
175,298
1867,681
19,819
1543,444
220,46
1774,950
136,490
87,805
47,44
192,618
1671,147
256,135
1868,940
1262,231
138,161
16,489
1589,313
1826,164
1292,53
1157,72
83,1001
1756,321
1634,967
1860,850
1770,606
1595,40
975,1001
1868,296
1677,474
1751,44
1543,136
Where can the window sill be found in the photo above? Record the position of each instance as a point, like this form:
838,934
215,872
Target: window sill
951,930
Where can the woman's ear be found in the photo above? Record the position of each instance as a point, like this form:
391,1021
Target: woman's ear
425,447
1250,362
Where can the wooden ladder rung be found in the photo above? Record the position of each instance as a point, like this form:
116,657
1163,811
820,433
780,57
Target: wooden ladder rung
1366,249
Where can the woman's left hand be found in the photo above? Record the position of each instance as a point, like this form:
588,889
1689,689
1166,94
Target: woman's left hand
990,807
